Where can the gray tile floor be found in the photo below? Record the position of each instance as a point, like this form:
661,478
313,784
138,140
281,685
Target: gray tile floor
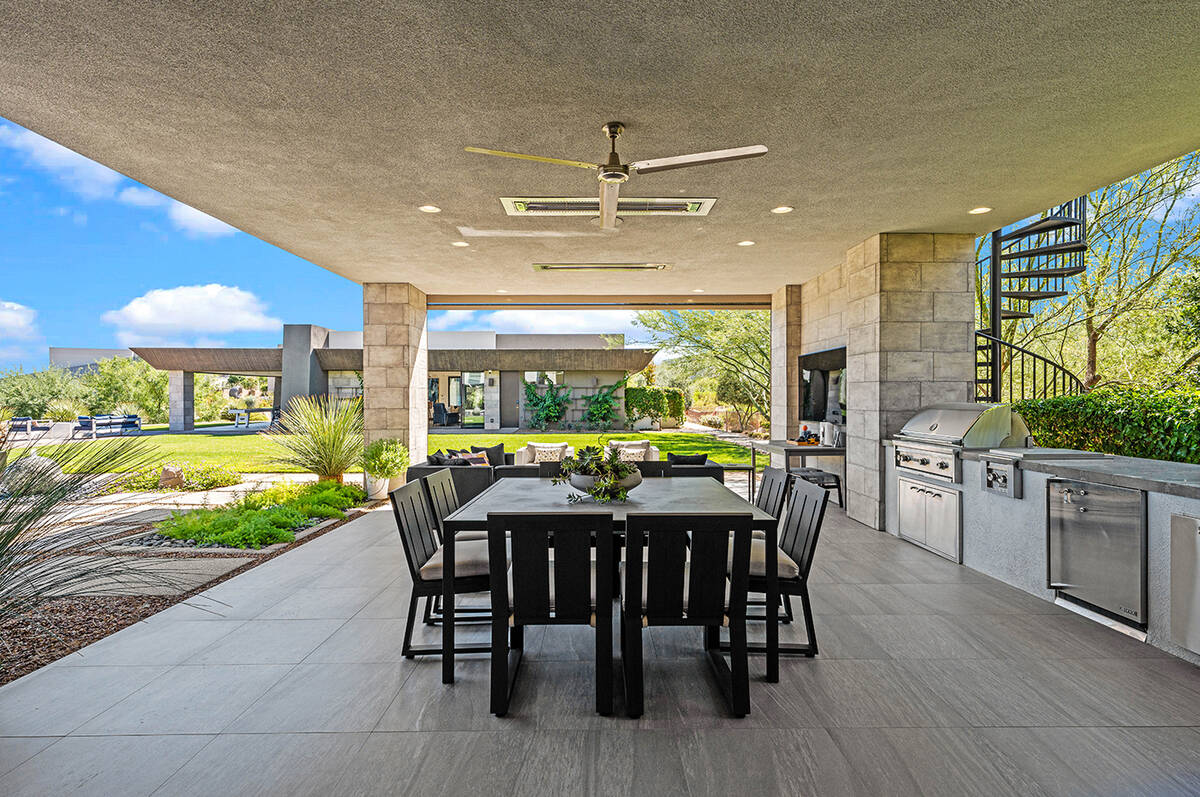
287,680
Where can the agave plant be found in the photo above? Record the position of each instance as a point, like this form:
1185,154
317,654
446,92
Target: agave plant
42,555
320,435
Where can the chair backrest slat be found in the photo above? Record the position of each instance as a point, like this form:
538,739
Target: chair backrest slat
693,544
417,525
772,491
801,524
443,497
535,598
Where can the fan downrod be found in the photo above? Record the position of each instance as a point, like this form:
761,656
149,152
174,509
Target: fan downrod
613,171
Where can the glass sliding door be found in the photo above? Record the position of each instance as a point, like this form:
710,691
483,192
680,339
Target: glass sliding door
472,398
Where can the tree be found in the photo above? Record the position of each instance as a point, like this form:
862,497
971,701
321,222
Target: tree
1142,231
125,380
727,345
29,393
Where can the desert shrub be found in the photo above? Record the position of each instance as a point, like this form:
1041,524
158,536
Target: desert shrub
263,518
645,402
195,477
28,393
385,459
320,435
1135,423
128,408
712,421
64,409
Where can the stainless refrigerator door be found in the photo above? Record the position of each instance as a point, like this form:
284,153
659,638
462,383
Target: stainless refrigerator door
1097,546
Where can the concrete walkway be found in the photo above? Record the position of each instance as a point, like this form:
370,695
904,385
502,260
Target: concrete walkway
288,680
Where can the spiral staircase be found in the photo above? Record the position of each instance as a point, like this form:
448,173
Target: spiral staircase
1026,263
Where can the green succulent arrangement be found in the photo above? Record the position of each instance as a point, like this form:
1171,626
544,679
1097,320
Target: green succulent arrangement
605,467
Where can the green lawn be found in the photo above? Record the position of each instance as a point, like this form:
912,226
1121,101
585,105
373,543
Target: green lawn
672,442
254,453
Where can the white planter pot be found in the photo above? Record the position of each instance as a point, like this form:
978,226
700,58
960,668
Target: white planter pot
376,488
396,481
584,483
642,424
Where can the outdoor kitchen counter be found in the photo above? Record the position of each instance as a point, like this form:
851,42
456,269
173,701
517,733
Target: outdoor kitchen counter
1005,538
1152,475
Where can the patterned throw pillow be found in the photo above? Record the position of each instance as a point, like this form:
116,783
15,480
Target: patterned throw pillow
625,454
475,459
546,454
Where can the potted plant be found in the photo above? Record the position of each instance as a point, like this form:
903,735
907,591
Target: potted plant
600,474
384,461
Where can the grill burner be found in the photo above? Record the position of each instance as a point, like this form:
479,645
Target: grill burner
932,441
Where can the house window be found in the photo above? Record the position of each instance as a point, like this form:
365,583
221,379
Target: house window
544,378
434,386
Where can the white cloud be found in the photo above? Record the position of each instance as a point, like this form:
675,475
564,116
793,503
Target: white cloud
82,175
17,322
164,317
537,321
142,197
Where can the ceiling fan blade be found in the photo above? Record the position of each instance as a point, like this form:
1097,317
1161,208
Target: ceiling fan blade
608,205
698,159
539,158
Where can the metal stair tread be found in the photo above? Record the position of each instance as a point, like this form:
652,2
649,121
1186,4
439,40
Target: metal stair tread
1049,249
1032,296
1035,273
1041,225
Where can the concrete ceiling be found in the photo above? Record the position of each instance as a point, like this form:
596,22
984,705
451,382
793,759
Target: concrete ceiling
320,127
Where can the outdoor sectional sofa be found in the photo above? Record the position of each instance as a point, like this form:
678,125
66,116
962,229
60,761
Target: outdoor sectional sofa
95,425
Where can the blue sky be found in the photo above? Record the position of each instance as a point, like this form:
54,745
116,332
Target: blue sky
93,259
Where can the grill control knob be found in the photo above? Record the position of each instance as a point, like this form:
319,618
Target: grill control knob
905,458
943,464
924,461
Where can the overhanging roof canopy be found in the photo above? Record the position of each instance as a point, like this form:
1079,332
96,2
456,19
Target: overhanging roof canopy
320,127
247,362
632,360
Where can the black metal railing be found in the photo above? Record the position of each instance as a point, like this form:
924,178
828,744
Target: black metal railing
1022,374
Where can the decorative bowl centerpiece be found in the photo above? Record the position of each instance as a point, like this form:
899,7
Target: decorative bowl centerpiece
603,475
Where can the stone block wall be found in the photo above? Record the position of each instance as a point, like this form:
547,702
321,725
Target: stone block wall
910,342
396,365
823,303
181,408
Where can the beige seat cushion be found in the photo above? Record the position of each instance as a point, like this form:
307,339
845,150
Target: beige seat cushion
470,559
786,566
547,452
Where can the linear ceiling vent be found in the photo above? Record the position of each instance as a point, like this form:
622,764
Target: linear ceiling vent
601,266
590,206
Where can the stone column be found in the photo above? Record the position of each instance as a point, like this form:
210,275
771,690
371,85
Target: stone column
396,365
910,321
785,367
181,408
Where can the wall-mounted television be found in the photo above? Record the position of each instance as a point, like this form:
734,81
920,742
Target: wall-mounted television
823,386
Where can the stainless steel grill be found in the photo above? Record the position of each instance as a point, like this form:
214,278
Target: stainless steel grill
932,441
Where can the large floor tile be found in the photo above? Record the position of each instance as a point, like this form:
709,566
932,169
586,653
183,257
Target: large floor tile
152,643
362,641
101,765
16,750
849,693
461,762
803,761
54,701
425,704
604,762
268,642
316,604
189,699
294,764
324,698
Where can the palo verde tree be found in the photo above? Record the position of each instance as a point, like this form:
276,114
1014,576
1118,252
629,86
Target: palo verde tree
1143,233
730,346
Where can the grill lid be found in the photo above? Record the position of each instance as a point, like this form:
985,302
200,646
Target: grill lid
967,424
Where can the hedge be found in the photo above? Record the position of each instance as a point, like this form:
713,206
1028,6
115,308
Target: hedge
654,402
1153,425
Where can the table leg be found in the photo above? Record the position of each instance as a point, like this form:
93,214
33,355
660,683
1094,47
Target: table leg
448,607
772,607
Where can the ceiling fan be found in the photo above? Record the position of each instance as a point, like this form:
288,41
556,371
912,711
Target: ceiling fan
613,172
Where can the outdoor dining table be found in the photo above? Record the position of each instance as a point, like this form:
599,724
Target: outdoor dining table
664,495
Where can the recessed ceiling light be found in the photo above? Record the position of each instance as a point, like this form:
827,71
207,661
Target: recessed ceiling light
501,290
691,301
745,243
429,209
697,290
783,209
979,210
460,243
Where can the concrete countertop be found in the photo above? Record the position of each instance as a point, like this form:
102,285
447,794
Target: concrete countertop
1152,475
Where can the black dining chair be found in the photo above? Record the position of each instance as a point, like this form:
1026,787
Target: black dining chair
443,499
772,491
654,469
566,589
823,479
549,470
798,533
677,574
423,551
